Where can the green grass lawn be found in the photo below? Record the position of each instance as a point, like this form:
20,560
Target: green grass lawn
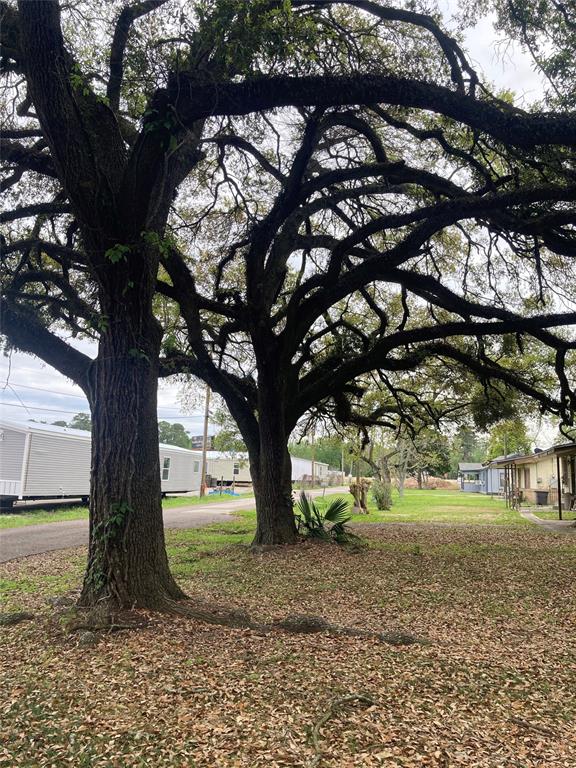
442,506
415,507
215,548
552,514
452,507
57,515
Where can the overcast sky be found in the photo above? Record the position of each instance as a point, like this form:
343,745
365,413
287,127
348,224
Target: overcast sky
30,389
48,396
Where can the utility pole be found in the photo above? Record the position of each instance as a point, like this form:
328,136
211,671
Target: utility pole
205,443
313,460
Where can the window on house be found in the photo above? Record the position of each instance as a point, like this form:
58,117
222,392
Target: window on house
236,469
196,467
166,468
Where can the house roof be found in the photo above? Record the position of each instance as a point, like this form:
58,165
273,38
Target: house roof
466,466
52,429
510,457
562,449
229,455
73,434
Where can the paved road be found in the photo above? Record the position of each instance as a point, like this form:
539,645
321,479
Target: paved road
558,526
35,539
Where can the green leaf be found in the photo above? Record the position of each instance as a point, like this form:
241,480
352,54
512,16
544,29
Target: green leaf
117,253
337,511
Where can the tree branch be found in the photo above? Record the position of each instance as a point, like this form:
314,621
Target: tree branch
451,49
127,17
332,375
23,330
28,157
193,102
240,143
87,148
35,209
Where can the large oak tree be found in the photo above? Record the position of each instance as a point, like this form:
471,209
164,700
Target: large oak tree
278,198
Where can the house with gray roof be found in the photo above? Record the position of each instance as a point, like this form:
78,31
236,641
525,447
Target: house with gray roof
488,478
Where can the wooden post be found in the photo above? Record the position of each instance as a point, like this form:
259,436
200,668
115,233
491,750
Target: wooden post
205,443
511,474
506,474
559,486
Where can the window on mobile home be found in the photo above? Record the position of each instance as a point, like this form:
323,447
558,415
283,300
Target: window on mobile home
166,468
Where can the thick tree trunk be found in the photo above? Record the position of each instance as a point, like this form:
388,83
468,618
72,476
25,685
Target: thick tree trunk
127,562
271,471
273,491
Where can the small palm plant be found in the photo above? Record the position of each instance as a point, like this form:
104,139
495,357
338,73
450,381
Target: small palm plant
312,521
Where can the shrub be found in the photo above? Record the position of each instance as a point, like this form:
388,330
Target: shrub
312,521
382,493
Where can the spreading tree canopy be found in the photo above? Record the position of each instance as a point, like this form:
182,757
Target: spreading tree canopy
276,197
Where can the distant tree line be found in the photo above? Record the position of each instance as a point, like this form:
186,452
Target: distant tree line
172,434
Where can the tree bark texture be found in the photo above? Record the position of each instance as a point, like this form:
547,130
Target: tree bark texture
270,464
127,562
272,480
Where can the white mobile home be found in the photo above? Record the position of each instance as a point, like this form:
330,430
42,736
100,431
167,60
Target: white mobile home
302,470
220,467
41,461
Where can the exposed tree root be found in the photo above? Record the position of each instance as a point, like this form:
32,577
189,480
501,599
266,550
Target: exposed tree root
337,704
104,618
294,624
212,614
533,727
308,624
9,619
100,618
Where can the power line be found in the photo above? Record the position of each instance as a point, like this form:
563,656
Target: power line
18,396
42,389
11,385
83,413
37,408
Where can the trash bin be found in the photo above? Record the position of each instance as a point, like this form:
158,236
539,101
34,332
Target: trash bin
541,498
